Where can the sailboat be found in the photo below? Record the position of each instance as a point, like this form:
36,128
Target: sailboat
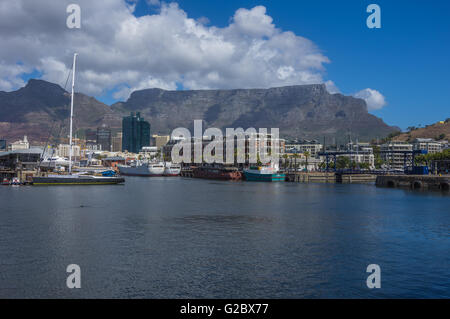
75,179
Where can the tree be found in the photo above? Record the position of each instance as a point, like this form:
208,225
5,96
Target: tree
342,162
306,155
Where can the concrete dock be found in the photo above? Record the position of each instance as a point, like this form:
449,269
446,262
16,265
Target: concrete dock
329,177
425,182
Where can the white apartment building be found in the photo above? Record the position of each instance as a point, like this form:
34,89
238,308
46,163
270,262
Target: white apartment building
312,149
428,144
64,149
396,159
19,145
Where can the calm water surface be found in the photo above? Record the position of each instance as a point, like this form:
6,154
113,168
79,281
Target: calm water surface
188,238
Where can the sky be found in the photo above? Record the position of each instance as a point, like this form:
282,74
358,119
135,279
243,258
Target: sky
400,69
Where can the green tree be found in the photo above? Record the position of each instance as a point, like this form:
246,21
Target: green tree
342,162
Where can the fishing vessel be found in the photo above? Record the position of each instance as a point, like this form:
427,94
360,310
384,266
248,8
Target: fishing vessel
73,179
268,173
144,169
171,169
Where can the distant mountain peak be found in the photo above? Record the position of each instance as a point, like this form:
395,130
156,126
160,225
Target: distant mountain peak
42,86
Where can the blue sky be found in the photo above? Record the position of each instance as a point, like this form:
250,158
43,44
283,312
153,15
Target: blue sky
407,60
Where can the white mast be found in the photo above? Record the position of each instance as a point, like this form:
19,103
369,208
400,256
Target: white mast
71,112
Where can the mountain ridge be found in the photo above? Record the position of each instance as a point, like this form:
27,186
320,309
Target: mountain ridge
307,111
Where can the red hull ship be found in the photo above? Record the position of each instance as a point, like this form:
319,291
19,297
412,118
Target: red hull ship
219,173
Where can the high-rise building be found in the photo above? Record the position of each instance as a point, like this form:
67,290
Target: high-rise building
136,133
117,142
104,138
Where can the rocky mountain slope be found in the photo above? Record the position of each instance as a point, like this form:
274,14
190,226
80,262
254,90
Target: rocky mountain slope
40,106
437,131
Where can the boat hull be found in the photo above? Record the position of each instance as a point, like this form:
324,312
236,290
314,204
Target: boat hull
142,171
255,177
216,174
77,181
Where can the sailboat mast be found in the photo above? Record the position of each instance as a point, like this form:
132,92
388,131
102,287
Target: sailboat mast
71,112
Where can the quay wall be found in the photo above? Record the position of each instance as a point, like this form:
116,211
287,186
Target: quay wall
426,182
311,177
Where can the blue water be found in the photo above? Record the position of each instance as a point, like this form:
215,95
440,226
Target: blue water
189,238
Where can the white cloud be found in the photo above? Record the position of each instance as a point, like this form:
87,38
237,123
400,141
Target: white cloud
118,51
374,99
331,87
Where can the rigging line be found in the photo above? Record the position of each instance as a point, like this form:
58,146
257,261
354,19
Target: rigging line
46,144
68,76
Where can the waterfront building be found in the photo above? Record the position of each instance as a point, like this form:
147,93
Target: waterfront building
392,154
263,144
64,151
312,148
427,144
104,138
361,158
19,145
300,162
21,163
92,146
136,133
117,142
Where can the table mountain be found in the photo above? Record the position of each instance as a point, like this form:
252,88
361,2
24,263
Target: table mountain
306,111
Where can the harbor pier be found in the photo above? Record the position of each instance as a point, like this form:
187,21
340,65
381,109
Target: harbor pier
425,182
330,177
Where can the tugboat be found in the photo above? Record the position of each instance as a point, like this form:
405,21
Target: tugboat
268,173
71,179
5,181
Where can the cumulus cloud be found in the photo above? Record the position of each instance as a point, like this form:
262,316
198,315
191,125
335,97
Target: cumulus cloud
374,99
120,52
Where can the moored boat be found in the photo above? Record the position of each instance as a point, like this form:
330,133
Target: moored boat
142,169
5,181
171,169
219,173
264,174
77,180
72,179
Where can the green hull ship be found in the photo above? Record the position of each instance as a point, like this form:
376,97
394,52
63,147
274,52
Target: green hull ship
263,174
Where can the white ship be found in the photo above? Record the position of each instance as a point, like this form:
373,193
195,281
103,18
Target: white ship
53,162
142,169
172,169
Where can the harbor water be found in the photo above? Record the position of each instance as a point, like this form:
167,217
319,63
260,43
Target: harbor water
191,238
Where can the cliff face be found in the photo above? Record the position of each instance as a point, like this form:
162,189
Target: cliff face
306,111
